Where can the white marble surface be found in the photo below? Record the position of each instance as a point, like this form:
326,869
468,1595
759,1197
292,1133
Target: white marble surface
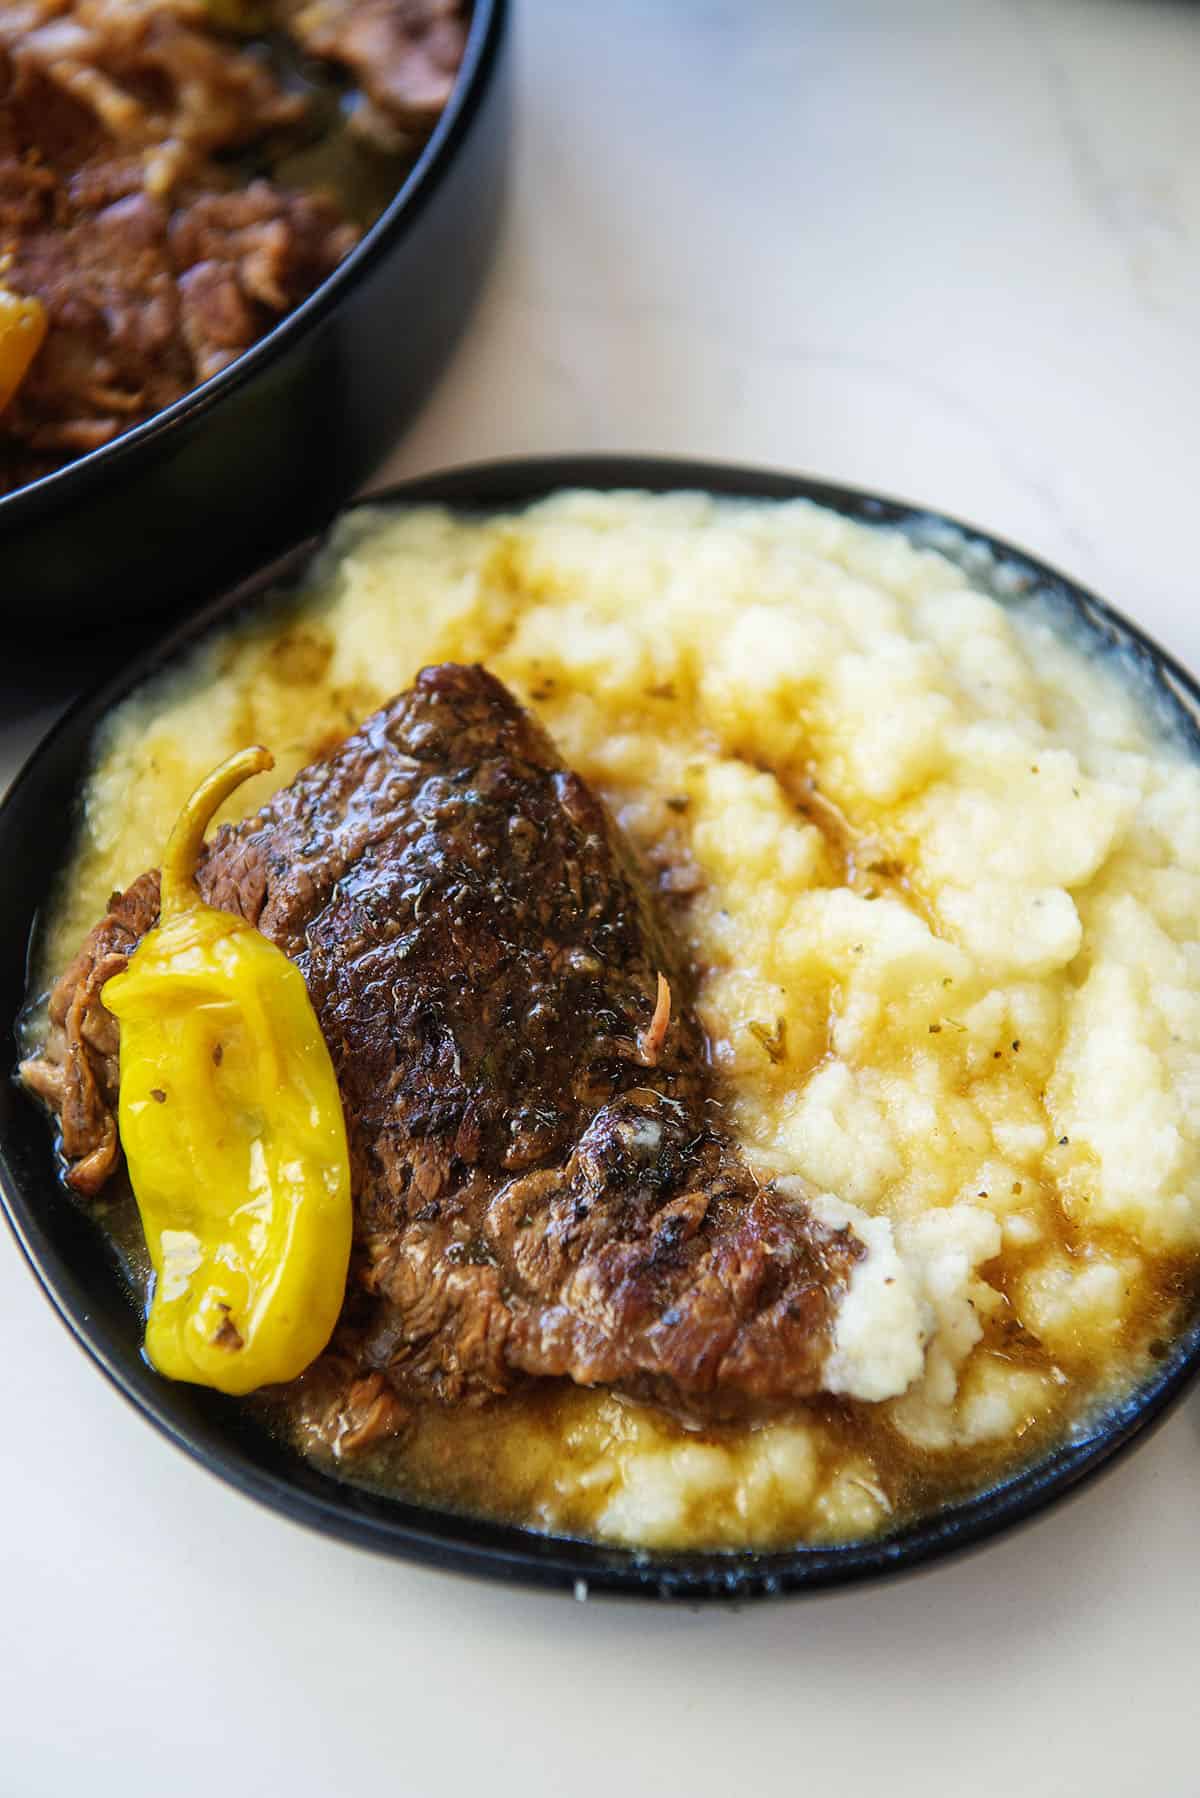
948,248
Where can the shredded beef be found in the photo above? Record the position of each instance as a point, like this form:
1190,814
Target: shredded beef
78,1072
150,73
121,213
542,1182
111,350
403,54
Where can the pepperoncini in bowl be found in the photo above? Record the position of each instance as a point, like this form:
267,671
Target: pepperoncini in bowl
232,1127
23,326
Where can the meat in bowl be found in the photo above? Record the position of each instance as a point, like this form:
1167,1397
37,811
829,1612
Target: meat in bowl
806,1253
175,177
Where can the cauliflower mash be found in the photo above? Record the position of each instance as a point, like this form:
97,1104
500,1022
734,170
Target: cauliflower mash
936,860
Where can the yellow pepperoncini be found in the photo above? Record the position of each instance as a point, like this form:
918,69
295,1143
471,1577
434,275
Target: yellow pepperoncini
22,331
232,1127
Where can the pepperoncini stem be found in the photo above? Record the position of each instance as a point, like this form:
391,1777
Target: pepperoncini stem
187,838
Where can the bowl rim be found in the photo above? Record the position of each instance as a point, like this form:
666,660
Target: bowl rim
87,474
453,1541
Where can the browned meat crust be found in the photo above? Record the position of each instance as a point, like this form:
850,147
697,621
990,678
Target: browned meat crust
542,1183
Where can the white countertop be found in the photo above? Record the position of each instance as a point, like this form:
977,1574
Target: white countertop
946,248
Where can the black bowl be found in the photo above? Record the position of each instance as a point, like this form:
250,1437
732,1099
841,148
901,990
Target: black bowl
70,1257
212,485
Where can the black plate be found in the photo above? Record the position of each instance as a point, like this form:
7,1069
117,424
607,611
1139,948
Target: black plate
211,486
70,1257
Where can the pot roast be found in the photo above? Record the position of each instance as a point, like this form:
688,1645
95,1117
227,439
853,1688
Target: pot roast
543,1185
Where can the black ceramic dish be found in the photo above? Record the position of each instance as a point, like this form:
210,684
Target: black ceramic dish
225,477
69,1255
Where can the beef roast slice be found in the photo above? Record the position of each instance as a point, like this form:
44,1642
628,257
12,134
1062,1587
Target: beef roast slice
542,1186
